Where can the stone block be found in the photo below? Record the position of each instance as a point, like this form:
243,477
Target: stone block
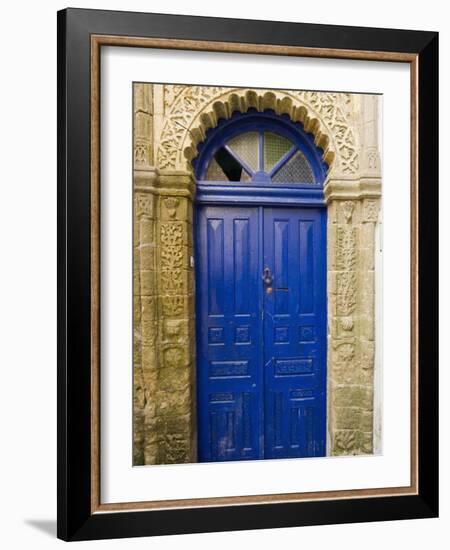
147,256
366,421
345,442
174,331
347,418
173,378
174,233
175,281
136,283
151,453
149,305
367,327
174,257
149,357
147,232
367,257
175,355
352,396
136,310
143,203
176,208
367,442
332,282
149,331
137,348
174,403
176,307
148,285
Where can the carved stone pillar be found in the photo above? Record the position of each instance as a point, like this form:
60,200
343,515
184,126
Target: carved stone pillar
164,309
144,300
175,396
352,206
353,209
145,326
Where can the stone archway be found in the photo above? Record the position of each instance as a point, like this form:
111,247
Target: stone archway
170,122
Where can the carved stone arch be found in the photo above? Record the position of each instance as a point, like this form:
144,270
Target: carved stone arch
193,110
243,100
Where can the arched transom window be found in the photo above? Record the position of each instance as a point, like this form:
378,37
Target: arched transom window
260,149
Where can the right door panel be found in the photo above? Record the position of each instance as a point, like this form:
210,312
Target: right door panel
295,332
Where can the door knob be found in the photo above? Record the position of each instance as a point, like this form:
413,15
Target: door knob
267,276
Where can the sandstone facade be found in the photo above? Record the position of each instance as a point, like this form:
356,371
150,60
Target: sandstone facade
169,123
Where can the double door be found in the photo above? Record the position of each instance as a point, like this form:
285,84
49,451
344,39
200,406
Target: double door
261,332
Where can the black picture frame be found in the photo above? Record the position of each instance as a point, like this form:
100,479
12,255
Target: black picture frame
76,521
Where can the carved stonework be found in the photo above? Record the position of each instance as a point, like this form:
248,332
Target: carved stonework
346,248
181,107
346,441
173,357
347,208
191,110
171,233
172,329
143,125
346,293
345,351
371,210
172,257
336,109
172,306
172,281
144,205
171,204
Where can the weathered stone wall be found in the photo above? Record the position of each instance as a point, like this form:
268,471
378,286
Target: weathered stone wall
170,121
164,311
353,209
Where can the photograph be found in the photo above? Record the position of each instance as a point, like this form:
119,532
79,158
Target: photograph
257,270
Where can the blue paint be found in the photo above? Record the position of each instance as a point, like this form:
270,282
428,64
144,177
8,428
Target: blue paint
261,354
266,350
230,363
295,333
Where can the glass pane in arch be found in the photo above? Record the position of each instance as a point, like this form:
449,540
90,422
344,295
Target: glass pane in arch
224,167
215,172
246,147
275,147
296,169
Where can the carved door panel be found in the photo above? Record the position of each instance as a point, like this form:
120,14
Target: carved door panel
261,332
294,332
229,350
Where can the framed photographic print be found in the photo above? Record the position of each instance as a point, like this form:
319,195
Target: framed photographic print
247,274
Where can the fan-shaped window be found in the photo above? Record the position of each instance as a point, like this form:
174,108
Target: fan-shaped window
260,156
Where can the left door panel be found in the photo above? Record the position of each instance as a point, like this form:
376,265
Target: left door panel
228,291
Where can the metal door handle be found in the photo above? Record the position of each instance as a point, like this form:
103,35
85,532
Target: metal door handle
267,276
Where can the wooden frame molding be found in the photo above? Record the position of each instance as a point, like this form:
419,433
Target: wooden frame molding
97,41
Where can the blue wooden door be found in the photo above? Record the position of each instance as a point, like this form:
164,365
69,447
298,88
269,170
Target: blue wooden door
294,332
261,332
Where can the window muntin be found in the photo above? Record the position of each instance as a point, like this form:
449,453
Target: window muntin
260,156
